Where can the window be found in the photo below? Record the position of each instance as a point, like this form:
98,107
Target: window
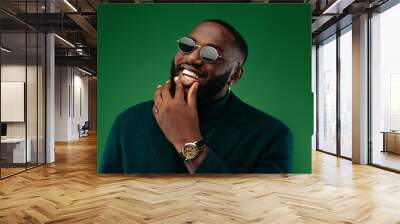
346,92
327,95
385,88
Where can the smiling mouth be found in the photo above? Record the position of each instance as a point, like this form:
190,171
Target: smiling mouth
190,74
188,77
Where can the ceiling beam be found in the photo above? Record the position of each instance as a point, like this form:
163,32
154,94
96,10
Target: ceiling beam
86,26
83,61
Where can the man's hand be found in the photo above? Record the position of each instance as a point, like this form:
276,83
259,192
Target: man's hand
177,118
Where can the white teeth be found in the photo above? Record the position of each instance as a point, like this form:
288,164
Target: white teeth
190,73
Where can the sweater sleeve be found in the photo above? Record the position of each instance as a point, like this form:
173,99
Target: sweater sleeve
277,158
212,164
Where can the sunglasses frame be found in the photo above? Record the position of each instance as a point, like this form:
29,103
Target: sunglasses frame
201,46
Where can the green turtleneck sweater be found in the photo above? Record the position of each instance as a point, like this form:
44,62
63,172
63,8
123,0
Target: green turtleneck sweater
240,138
209,115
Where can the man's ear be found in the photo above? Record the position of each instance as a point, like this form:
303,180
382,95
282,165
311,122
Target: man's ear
237,75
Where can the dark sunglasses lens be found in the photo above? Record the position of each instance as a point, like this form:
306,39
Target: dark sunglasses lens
186,44
209,54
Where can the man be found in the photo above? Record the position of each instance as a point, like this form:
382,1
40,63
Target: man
195,124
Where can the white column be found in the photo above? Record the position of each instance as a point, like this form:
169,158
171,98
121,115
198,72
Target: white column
360,90
50,92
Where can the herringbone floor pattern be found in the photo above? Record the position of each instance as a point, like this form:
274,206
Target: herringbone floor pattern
70,191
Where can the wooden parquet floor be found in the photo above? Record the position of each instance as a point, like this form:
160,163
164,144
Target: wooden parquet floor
70,191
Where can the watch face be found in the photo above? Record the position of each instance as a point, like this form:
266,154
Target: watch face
190,151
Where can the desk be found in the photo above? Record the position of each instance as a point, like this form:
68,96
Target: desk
391,141
16,147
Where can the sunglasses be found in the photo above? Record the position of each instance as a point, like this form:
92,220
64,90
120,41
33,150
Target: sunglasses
208,53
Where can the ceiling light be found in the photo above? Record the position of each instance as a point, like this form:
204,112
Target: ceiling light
337,7
329,9
70,5
84,71
65,41
5,50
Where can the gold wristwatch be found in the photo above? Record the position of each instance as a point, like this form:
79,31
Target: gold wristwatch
192,150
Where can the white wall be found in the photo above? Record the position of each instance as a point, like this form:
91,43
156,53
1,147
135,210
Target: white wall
62,81
71,102
13,72
16,72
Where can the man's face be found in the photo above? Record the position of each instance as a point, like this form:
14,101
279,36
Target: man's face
212,77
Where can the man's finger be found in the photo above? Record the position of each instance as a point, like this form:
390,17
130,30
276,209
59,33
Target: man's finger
166,95
156,114
192,95
155,110
179,92
157,97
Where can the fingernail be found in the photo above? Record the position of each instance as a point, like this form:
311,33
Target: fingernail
159,86
167,81
176,78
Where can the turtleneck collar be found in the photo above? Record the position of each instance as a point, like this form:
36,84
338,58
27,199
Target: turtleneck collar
213,109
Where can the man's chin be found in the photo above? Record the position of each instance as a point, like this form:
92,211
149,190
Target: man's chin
186,93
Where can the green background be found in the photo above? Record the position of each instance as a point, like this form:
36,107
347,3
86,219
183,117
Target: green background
136,43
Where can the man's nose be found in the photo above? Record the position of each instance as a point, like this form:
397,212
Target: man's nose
194,57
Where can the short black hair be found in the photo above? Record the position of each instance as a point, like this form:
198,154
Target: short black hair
239,41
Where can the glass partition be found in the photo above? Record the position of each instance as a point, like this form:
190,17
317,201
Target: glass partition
22,88
41,91
14,154
31,100
327,95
